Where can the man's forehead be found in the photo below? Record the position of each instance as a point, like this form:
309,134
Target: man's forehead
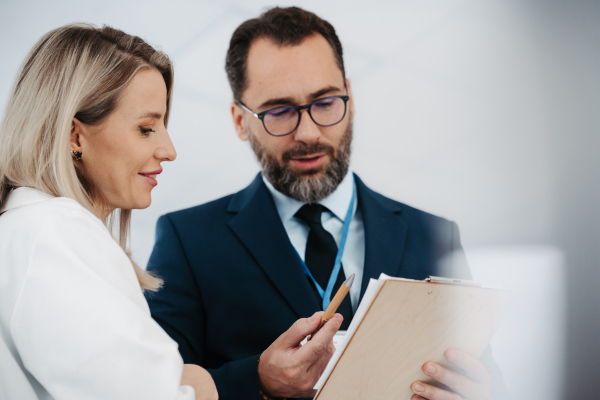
291,70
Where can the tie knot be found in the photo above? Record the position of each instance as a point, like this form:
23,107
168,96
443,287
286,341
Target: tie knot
310,213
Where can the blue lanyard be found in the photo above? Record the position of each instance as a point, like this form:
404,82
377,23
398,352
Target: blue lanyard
326,294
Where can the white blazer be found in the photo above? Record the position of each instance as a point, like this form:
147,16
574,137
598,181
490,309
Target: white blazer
73,321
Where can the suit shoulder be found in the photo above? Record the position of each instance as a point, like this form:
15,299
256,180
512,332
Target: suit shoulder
418,213
408,211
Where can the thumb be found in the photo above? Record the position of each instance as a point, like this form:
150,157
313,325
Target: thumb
300,330
321,345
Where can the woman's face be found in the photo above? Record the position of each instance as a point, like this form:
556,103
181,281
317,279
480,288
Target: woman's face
122,156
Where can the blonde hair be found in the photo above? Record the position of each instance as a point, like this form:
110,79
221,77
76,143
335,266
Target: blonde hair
78,71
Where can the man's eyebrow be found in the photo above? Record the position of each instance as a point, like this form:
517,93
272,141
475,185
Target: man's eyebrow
276,102
323,91
151,115
288,100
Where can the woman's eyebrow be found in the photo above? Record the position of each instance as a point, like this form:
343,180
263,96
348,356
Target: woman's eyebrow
151,114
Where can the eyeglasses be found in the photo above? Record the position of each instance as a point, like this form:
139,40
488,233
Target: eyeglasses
282,121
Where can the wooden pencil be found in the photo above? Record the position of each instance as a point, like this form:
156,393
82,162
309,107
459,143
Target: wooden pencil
335,303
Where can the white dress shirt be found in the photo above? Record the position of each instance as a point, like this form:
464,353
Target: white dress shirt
338,202
74,323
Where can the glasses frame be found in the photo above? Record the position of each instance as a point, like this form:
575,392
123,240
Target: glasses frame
307,107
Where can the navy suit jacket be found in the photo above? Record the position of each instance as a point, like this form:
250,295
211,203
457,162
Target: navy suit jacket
234,283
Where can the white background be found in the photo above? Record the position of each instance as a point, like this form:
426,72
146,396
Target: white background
484,112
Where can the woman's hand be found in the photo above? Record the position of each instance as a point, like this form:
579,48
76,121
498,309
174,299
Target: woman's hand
198,378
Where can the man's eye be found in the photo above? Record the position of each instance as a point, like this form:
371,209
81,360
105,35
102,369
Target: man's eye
281,112
325,103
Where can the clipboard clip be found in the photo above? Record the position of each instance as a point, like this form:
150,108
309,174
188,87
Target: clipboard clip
441,279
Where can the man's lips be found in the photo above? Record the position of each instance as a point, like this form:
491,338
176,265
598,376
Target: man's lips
308,162
150,177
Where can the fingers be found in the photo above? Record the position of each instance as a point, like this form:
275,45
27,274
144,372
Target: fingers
289,370
300,330
330,328
456,382
319,366
321,344
473,368
425,391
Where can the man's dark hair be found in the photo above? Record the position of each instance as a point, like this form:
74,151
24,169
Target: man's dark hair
286,27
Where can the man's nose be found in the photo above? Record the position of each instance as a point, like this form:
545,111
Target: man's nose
307,132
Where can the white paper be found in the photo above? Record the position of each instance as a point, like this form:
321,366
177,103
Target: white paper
337,338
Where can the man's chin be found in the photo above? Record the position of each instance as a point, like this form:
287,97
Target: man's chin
318,170
309,173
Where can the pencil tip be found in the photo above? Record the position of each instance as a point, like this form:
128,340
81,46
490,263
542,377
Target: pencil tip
349,281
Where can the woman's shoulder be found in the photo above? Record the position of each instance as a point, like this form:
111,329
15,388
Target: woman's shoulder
47,218
47,211
61,233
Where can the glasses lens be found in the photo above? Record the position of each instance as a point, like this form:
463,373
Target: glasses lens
281,121
328,111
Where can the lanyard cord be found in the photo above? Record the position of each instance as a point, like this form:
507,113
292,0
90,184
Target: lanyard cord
326,294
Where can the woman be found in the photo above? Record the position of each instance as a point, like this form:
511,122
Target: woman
82,141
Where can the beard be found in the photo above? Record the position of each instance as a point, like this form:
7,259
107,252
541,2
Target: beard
308,186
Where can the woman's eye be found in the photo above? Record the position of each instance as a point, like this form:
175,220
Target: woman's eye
146,131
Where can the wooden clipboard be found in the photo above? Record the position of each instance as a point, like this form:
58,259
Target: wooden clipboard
407,324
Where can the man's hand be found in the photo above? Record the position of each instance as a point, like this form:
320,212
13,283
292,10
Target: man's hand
476,384
198,378
287,369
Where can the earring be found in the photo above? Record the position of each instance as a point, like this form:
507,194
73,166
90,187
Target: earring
76,154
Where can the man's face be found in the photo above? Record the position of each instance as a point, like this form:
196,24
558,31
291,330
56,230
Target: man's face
309,163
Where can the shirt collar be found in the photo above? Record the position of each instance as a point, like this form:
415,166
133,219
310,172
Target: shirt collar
337,202
24,196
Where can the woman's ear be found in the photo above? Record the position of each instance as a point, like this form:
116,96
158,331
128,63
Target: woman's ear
237,114
76,131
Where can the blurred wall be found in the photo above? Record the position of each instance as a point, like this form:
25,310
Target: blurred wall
484,112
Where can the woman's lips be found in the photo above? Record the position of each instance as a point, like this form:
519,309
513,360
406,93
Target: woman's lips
150,177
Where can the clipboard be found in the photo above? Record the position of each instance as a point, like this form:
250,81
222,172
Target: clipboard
401,324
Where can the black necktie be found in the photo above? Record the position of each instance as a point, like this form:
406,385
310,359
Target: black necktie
319,257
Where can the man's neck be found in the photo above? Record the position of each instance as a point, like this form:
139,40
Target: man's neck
337,202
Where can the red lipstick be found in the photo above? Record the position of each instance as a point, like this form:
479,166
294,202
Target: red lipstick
150,177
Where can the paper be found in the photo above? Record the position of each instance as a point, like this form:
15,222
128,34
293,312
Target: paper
337,338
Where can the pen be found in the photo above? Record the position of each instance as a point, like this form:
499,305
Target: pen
335,303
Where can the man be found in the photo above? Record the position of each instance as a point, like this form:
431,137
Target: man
240,270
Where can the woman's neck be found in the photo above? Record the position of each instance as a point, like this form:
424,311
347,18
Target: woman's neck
102,210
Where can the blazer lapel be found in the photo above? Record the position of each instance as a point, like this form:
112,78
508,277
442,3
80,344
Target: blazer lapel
259,228
385,234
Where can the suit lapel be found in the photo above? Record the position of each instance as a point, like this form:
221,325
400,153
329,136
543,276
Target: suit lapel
258,226
385,234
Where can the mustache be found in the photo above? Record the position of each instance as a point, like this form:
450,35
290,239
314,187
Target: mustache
304,150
